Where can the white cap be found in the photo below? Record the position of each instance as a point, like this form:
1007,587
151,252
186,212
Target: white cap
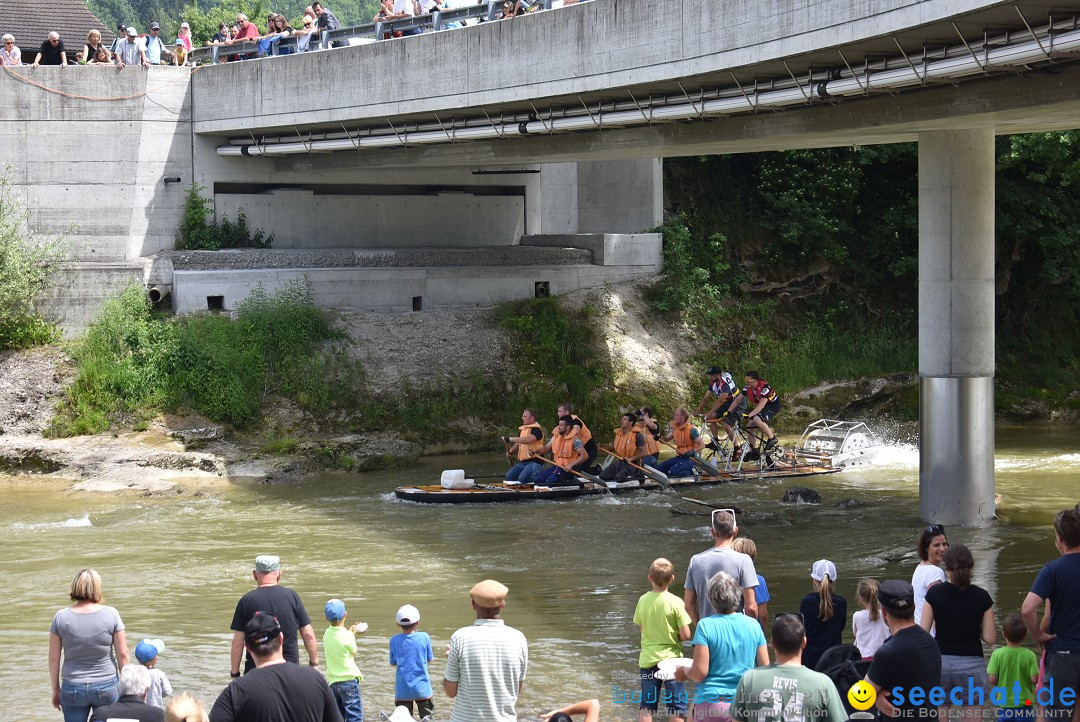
185,25
823,568
408,615
132,32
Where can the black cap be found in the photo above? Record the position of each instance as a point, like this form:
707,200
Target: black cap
261,628
122,26
714,371
896,595
155,26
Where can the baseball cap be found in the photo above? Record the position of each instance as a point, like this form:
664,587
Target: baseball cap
823,567
131,32
714,371
147,649
407,615
267,563
178,42
185,25
896,595
334,610
155,26
261,628
489,594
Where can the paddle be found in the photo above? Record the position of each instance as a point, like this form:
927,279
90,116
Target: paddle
583,474
655,474
698,461
735,509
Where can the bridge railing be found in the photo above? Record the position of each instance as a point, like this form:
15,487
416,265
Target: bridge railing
487,10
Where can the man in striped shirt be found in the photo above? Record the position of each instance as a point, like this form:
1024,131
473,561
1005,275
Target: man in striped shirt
487,662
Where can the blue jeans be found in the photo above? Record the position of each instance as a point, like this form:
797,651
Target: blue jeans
78,698
348,699
523,471
674,694
648,461
677,466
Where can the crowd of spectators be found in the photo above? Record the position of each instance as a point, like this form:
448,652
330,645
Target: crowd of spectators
129,48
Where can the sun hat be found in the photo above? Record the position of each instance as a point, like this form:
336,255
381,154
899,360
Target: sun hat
823,568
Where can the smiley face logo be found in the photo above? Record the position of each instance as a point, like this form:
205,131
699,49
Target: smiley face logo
861,696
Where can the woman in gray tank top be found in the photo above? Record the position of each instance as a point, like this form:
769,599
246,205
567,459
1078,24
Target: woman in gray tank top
85,634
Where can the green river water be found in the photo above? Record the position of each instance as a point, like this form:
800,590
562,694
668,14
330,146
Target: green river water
175,566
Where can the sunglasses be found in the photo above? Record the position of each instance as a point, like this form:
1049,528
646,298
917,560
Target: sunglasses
934,530
719,511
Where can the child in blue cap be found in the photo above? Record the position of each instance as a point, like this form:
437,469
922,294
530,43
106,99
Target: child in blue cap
339,647
147,652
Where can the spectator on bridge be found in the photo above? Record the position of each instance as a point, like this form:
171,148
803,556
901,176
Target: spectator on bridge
184,35
283,29
305,34
180,53
121,32
102,57
93,46
221,37
403,9
51,51
326,21
10,53
245,31
130,50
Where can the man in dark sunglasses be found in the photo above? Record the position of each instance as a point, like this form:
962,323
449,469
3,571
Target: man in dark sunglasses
51,52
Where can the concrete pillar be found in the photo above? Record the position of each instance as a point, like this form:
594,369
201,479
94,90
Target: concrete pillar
956,326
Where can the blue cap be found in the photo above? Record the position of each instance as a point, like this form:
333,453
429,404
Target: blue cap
147,649
335,610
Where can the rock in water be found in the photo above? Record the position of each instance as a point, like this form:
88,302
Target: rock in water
801,495
848,504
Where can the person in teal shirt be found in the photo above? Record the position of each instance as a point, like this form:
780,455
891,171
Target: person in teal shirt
664,625
339,648
1014,667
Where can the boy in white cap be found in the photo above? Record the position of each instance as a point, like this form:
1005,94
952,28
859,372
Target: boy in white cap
411,652
339,647
147,652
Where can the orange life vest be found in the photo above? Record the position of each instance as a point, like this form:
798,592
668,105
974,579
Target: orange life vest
525,449
681,437
652,446
583,432
562,450
626,442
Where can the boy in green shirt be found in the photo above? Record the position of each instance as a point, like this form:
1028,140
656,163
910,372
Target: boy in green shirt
786,689
339,647
664,625
1014,667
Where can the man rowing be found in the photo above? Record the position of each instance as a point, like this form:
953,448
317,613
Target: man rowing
648,426
567,451
730,404
766,405
688,442
580,430
530,438
629,443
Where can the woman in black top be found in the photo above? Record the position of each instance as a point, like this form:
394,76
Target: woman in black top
824,613
964,614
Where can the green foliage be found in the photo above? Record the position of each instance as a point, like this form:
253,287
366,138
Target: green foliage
195,232
27,263
133,362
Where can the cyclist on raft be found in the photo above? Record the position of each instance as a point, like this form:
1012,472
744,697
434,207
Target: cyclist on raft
580,431
722,387
688,442
567,451
629,443
530,438
766,405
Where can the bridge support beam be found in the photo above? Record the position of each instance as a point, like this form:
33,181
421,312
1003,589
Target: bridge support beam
956,326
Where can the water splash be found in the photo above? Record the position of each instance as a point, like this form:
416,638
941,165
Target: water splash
70,523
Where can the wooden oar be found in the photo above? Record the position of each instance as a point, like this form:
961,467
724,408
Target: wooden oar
698,461
582,474
655,474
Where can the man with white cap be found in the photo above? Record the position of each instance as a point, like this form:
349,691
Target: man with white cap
130,50
487,662
280,601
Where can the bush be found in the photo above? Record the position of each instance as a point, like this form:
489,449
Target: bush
197,232
27,264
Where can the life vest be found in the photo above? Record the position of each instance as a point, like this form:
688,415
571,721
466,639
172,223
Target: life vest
583,432
681,437
626,442
562,450
757,391
652,446
525,449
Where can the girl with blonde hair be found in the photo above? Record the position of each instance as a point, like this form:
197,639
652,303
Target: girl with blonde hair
824,613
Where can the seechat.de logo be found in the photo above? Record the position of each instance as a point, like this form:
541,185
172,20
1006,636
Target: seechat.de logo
861,696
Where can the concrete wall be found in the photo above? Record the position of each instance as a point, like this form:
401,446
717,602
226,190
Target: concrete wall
92,169
302,219
584,48
641,250
620,196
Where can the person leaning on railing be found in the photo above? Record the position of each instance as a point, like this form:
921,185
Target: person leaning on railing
10,53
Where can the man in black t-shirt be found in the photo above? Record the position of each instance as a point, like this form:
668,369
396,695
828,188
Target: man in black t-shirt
274,691
51,51
279,601
909,659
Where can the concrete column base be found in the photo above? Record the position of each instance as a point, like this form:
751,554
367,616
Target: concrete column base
956,450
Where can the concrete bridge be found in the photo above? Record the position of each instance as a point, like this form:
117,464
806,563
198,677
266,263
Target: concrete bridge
540,129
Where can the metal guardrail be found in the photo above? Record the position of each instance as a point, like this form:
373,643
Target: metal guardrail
485,11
